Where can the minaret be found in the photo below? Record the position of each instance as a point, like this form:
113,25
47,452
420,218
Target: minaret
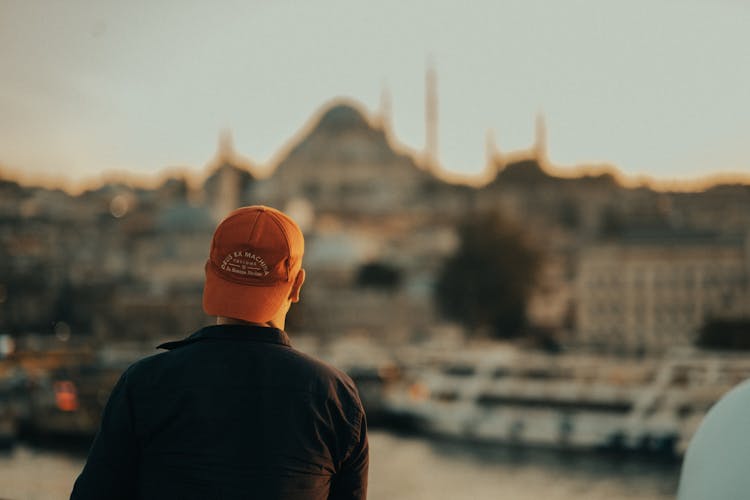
491,151
540,140
431,118
227,197
225,151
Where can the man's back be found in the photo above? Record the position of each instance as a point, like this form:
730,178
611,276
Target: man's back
231,412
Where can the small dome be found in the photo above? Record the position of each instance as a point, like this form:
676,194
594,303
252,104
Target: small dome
342,117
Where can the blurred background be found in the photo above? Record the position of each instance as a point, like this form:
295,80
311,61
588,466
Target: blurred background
527,224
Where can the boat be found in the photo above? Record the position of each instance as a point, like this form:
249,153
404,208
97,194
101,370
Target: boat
566,401
13,407
69,401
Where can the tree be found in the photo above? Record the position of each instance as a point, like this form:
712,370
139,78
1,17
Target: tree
487,283
725,334
611,223
379,275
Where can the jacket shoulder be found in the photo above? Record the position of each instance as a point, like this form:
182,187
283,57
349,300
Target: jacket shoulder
331,376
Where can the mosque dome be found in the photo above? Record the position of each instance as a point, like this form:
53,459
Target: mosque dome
342,117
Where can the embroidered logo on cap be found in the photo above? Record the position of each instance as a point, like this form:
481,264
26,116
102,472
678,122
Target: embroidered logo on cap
244,263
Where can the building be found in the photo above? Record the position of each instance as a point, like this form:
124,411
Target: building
648,292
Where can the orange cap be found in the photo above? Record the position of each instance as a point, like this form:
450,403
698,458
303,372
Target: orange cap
256,253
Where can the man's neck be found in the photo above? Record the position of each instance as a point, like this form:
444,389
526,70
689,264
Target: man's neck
223,320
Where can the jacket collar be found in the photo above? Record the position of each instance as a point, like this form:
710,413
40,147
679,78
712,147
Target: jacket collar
250,333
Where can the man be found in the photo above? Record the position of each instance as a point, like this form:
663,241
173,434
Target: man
233,411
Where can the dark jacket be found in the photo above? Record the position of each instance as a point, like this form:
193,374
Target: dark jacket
231,412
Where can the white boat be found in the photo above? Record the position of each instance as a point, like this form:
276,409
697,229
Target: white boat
501,394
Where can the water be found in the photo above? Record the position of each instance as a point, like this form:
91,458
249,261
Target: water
412,468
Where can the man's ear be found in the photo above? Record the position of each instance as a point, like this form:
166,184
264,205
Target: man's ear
298,280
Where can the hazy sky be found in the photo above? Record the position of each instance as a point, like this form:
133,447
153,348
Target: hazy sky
657,87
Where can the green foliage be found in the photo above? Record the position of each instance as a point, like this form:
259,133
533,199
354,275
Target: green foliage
612,223
378,275
729,334
568,215
486,284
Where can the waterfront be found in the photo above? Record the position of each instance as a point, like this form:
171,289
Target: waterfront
412,468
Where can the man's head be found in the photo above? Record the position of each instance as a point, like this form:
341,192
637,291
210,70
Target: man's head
254,271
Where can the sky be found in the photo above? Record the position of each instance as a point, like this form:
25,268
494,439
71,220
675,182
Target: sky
658,88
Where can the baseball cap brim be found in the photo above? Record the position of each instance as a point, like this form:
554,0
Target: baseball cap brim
256,304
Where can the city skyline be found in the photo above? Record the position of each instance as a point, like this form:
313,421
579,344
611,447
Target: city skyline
655,92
